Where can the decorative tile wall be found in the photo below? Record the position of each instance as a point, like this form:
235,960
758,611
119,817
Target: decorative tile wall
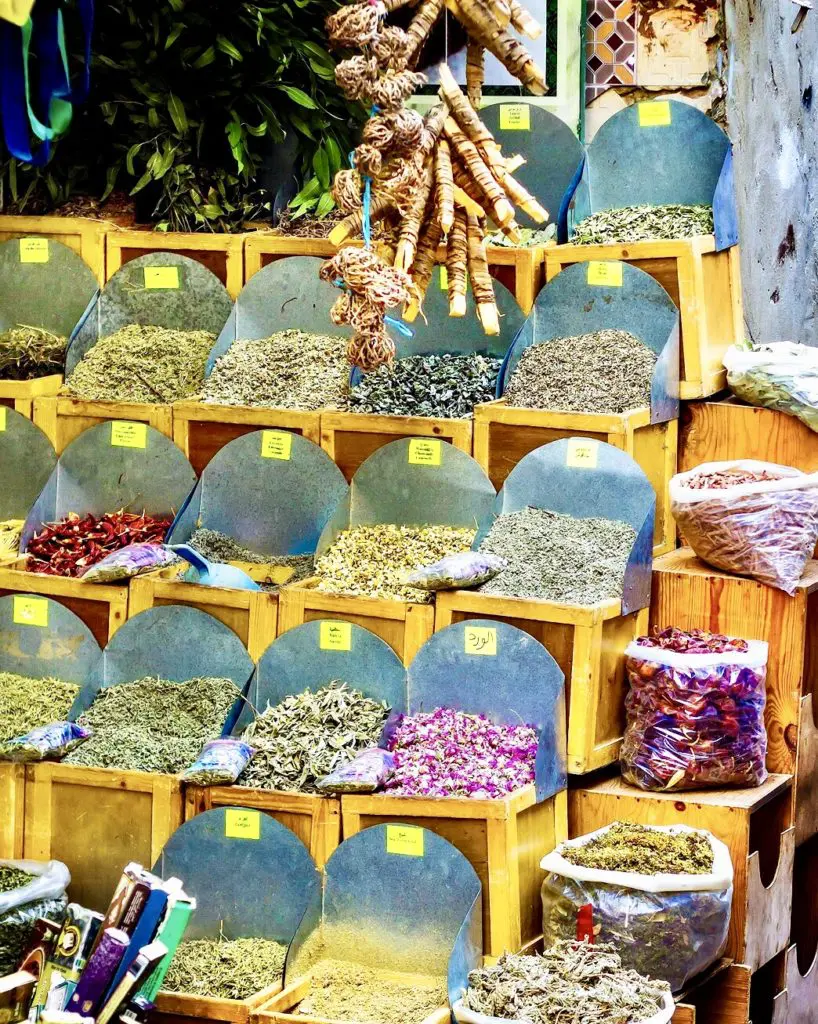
611,46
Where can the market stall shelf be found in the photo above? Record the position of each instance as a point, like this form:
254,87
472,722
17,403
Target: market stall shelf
796,1003
283,1008
754,823
12,810
221,254
722,996
84,235
62,418
21,395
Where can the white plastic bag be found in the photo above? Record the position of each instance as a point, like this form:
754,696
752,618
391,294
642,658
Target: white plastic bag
463,1015
782,376
20,908
665,926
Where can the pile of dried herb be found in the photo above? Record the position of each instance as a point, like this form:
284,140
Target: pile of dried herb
13,878
348,991
154,725
27,703
225,968
29,352
447,386
374,561
555,557
308,735
643,223
219,547
291,369
529,237
604,372
142,363
571,983
647,851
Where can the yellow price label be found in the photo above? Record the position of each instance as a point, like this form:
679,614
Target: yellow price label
127,434
242,824
655,115
515,117
582,453
424,451
480,640
276,444
605,274
30,611
444,279
34,250
161,277
3,418
335,636
406,840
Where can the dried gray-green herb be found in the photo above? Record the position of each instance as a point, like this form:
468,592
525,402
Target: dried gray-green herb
628,847
13,878
340,990
219,547
225,968
308,735
555,557
28,352
644,223
604,372
528,237
142,363
290,370
27,703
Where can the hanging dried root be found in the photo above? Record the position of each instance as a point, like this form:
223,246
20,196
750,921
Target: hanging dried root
521,197
352,224
398,132
421,25
481,279
444,184
433,128
501,209
457,254
390,47
501,43
423,267
391,92
410,227
475,73
523,21
465,116
355,76
352,26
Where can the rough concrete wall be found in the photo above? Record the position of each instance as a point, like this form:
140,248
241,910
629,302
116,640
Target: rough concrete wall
772,116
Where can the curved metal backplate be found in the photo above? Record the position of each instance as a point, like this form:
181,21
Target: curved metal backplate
54,643
255,887
417,912
284,295
271,490
610,486
52,294
494,669
196,300
27,460
415,481
552,151
571,304
95,475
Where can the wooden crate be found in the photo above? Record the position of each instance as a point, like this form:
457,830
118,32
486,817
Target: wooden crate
403,625
720,996
755,824
504,840
704,284
201,429
83,235
503,434
103,607
587,643
797,1001
173,1006
223,255
251,614
96,820
350,438
21,394
718,431
806,772
62,418
12,809
314,818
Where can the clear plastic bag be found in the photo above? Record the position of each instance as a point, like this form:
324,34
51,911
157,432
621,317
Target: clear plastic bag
20,908
363,774
766,529
695,720
132,560
782,376
666,926
220,763
464,569
463,1015
45,743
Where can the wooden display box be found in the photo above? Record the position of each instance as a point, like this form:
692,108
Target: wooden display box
96,820
12,810
755,824
103,607
170,1006
83,235
588,644
201,429
704,284
221,254
720,996
405,626
315,819
350,438
21,394
503,434
62,418
504,840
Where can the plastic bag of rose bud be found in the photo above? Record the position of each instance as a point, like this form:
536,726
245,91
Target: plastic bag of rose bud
695,711
750,518
669,925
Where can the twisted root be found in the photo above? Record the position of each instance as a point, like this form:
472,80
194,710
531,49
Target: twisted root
353,26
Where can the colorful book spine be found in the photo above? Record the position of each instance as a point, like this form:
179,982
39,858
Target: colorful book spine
141,969
100,969
170,933
145,930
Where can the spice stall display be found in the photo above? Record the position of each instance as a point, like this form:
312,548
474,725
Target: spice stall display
597,357
780,376
474,746
141,344
232,958
321,693
574,523
398,931
27,459
168,680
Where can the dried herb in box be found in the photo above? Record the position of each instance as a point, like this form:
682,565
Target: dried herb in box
342,990
26,703
218,547
643,224
628,847
225,968
30,352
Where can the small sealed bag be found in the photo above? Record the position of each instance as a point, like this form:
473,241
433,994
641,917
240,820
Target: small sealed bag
132,560
45,743
781,376
363,774
695,711
220,763
669,926
464,569
763,525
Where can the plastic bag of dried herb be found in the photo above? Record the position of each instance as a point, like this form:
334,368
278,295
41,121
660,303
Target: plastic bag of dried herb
667,924
28,889
782,376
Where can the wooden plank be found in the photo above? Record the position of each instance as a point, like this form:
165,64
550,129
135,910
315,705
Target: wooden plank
12,810
806,774
799,999
83,235
20,394
222,254
236,1011
62,418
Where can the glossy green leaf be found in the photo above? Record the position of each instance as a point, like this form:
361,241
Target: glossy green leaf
298,96
176,109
